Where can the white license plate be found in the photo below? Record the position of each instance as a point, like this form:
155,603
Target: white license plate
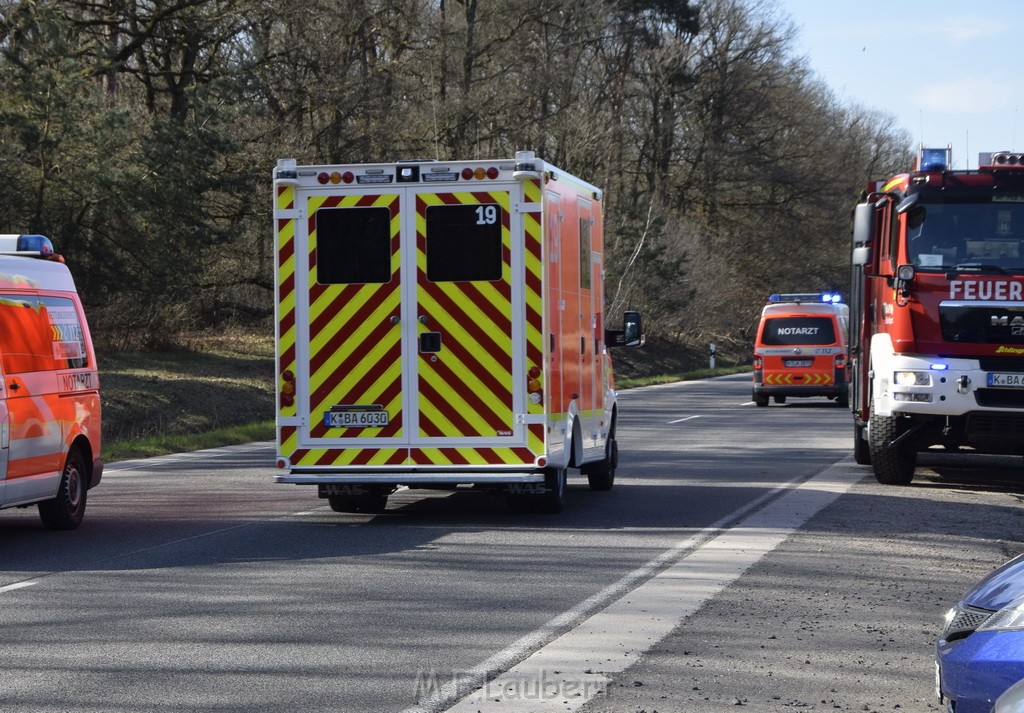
356,419
797,362
1013,381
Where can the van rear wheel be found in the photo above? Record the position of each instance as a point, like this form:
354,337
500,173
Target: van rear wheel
552,500
65,512
601,475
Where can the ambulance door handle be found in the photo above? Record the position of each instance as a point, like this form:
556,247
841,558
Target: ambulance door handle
15,386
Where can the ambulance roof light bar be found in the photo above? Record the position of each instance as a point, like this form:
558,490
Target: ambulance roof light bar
29,245
824,297
934,159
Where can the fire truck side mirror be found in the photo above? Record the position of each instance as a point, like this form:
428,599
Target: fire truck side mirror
862,255
863,224
863,227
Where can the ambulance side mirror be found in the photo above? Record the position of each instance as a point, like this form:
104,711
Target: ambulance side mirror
631,334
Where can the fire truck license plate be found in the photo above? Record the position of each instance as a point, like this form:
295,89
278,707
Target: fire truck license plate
797,362
1007,380
356,419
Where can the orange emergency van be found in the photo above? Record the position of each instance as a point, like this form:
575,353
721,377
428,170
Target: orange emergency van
49,393
801,348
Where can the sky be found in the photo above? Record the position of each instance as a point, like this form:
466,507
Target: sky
950,72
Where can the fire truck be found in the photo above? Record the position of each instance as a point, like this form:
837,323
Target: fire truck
937,313
442,325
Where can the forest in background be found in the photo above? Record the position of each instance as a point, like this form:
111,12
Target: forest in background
140,136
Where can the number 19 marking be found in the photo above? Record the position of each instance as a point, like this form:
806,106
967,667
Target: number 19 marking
486,215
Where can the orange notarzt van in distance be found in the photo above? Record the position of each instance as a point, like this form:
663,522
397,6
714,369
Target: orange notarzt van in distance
49,387
801,348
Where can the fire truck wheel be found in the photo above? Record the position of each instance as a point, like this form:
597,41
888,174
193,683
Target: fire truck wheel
601,476
375,502
761,401
843,401
861,449
65,511
893,464
552,500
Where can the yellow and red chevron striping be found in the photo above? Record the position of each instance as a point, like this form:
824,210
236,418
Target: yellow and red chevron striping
806,379
286,291
355,350
466,390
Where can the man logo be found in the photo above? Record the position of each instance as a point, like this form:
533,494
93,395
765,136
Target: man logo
1016,324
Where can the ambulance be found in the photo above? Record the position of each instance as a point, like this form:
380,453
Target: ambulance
441,324
801,348
49,393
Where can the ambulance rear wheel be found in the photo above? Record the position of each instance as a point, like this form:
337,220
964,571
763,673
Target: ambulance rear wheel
552,500
780,399
893,463
65,512
601,475
761,401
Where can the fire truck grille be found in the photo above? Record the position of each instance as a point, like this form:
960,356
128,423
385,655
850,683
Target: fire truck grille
1000,398
1002,364
996,432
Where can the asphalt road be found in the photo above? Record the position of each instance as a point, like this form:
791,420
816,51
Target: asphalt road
197,584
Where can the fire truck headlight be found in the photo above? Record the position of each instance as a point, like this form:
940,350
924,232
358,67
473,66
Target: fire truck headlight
912,378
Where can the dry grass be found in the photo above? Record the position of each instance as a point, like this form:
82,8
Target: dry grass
217,384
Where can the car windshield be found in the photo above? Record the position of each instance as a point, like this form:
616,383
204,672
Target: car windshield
967,236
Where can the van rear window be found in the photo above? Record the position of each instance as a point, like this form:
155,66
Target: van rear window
353,246
786,331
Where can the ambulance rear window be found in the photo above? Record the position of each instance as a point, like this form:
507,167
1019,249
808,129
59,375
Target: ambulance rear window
464,243
786,331
353,246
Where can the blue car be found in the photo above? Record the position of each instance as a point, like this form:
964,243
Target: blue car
981,651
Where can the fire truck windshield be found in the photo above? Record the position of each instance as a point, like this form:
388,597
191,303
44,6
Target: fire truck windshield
984,235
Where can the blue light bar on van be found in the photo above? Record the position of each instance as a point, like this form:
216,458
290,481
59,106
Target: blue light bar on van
826,297
35,245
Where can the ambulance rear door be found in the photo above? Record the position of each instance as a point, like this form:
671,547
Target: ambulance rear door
409,338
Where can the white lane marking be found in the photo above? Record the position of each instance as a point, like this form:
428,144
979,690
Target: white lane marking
17,585
570,670
680,420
